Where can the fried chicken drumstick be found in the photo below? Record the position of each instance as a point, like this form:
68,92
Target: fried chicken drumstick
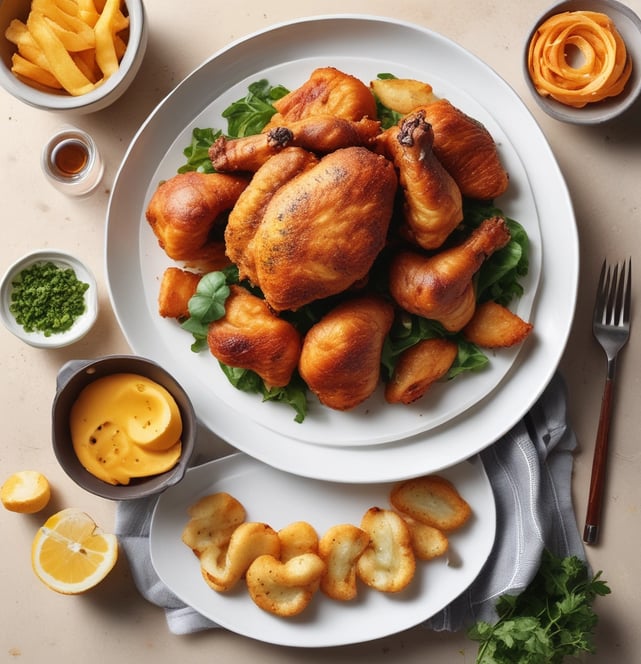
440,287
433,205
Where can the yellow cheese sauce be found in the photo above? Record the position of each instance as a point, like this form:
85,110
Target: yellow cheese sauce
125,426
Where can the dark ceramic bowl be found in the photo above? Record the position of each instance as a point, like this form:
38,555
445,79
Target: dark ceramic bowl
72,378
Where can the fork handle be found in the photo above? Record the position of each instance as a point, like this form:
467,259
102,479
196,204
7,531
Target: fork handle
599,463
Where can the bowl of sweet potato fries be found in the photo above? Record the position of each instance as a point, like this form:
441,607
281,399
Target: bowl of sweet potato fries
70,55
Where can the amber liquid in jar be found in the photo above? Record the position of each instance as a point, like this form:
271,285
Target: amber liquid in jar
70,157
71,162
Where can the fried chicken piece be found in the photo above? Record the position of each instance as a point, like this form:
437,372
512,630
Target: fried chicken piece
341,355
495,326
322,231
185,209
432,204
248,153
440,287
176,289
418,368
467,150
249,210
328,91
319,133
251,336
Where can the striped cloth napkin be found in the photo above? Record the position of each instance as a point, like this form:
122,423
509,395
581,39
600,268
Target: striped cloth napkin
530,470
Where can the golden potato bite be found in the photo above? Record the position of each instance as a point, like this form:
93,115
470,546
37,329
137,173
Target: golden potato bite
402,95
432,500
177,286
340,547
248,541
212,521
388,562
418,367
495,326
284,588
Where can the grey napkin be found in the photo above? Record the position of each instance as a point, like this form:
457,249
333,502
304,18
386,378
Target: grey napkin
530,471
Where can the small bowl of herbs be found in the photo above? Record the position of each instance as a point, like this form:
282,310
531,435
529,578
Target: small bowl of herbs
49,299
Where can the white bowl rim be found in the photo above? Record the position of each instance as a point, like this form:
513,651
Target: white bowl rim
53,102
612,107
80,327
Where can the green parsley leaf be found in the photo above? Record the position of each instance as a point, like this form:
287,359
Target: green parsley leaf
197,152
249,115
551,619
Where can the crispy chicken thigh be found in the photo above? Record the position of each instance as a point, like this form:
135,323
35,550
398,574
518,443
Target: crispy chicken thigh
433,205
467,150
184,210
328,91
440,287
251,336
249,210
341,356
322,230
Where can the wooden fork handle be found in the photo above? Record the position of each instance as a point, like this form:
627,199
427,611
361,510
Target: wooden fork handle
599,463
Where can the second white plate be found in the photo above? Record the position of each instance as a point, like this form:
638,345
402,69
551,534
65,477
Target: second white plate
277,498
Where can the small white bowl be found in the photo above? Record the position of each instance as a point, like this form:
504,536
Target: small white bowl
97,99
629,26
83,323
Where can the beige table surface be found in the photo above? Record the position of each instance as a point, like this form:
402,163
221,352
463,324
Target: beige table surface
113,623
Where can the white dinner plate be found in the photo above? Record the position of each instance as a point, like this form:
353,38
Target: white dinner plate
273,497
458,418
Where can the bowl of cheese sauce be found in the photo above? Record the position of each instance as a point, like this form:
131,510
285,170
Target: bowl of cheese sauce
122,427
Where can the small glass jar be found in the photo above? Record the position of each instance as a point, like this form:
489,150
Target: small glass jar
71,162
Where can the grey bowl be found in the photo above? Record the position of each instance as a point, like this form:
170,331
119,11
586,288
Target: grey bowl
72,378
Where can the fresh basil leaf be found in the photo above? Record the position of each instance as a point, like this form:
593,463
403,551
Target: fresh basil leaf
197,152
249,115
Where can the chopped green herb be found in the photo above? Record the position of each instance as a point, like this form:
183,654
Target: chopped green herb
551,619
47,298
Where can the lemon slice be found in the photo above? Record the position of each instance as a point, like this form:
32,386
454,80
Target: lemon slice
70,554
26,491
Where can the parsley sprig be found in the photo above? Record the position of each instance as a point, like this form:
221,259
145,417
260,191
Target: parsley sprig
551,619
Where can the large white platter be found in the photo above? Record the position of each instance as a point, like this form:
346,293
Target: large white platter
377,442
276,498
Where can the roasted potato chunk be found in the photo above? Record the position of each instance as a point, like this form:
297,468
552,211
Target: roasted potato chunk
176,289
248,541
418,368
402,95
340,547
495,326
213,520
297,538
284,589
388,562
428,542
432,500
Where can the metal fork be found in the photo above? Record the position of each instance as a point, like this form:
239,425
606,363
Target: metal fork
611,327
